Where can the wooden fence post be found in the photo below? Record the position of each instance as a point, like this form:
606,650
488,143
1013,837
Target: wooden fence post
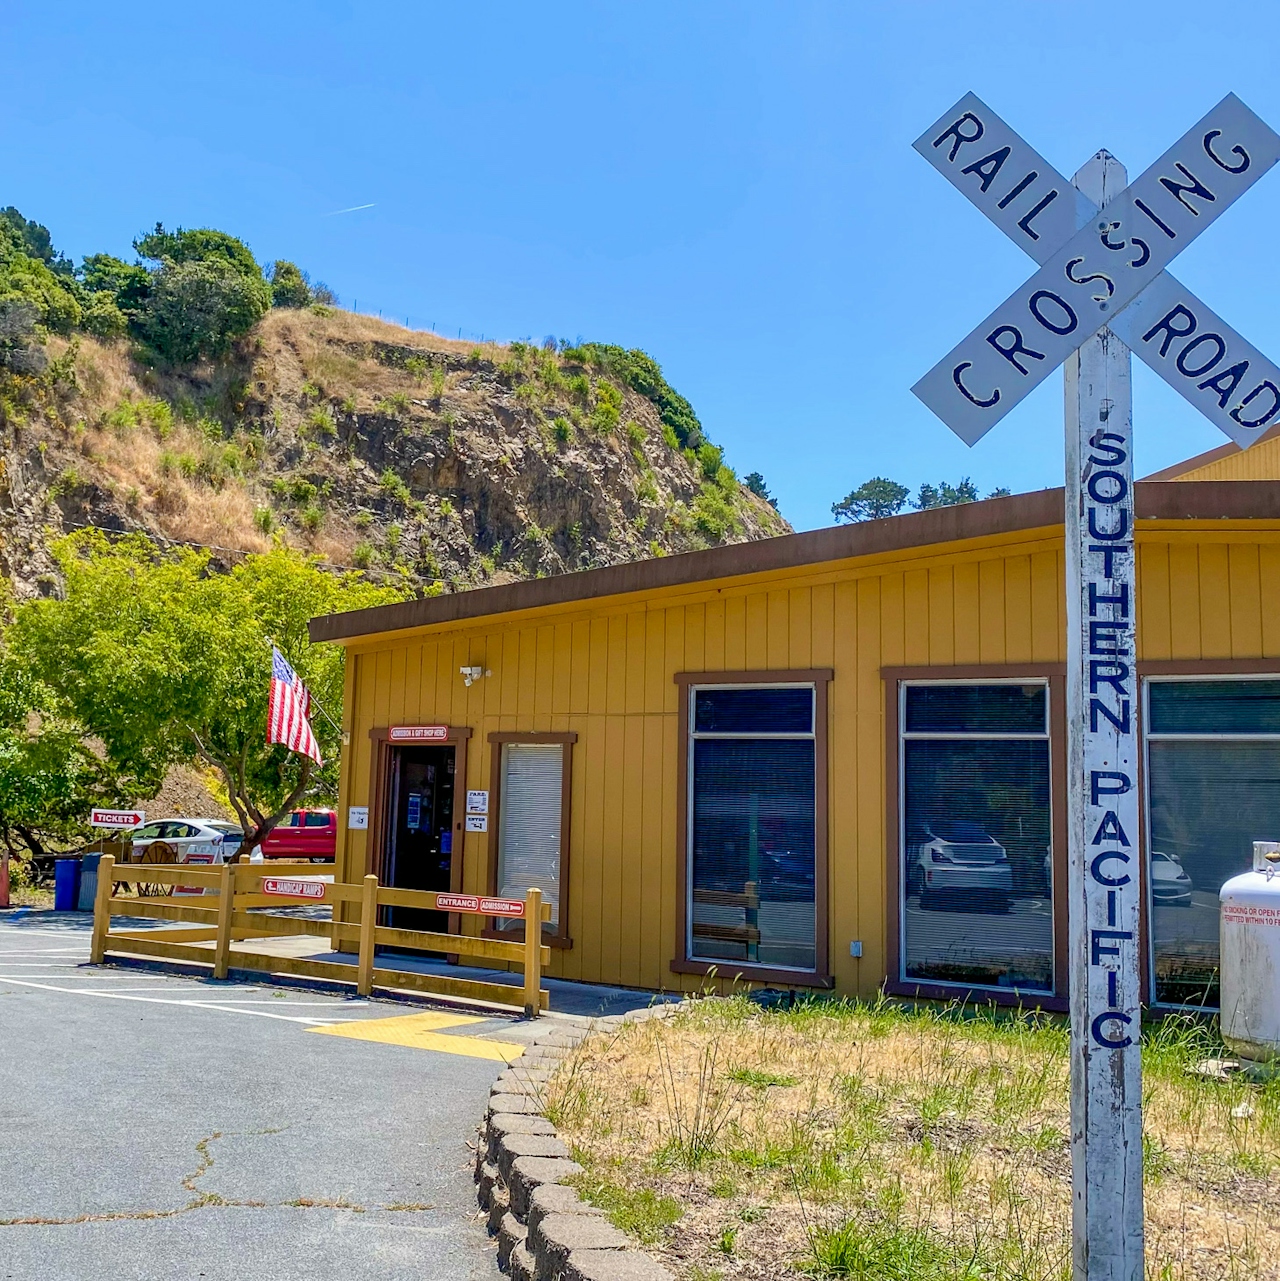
532,954
102,909
226,903
368,923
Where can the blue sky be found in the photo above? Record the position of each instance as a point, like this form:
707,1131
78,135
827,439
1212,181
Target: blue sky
729,186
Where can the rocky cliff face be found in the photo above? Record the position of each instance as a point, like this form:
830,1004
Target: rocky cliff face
371,446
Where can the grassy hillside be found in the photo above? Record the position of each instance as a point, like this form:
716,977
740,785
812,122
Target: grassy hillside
371,446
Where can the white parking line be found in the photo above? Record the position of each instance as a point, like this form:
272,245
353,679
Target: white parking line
155,1000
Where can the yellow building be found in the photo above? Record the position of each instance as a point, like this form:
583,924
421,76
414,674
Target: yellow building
828,760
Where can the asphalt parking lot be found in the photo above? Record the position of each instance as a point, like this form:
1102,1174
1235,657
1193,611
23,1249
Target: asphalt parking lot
156,1126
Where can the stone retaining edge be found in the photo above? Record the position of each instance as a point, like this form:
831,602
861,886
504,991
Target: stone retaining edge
545,1231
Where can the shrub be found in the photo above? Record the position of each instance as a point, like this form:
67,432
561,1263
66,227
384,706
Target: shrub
21,350
709,459
562,428
200,309
302,492
395,404
417,367
394,487
713,514
639,371
754,481
312,518
264,519
320,423
362,555
608,406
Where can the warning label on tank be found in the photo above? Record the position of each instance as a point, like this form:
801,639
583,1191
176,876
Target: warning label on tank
1250,914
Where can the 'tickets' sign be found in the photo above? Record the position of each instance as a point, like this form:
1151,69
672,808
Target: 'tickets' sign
418,733
482,906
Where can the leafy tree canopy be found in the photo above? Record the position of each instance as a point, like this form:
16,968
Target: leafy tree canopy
50,777
35,240
166,662
872,500
55,297
128,283
202,244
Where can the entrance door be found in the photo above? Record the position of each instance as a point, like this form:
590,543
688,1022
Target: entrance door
420,848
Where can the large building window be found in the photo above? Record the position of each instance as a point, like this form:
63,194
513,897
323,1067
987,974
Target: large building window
976,865
531,781
1213,788
751,816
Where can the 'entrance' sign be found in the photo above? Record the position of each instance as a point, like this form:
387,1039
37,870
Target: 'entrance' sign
484,906
1102,289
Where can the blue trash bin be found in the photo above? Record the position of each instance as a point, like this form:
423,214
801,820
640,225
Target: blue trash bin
66,884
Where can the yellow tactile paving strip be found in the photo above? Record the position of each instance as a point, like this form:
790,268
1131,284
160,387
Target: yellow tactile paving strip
422,1032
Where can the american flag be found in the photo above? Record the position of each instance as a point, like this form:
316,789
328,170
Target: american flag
289,710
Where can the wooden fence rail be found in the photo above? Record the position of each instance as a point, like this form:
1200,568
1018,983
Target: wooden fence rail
240,886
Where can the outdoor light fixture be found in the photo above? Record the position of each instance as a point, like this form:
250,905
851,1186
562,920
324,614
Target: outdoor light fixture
472,674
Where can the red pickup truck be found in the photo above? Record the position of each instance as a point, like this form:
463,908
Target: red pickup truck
309,834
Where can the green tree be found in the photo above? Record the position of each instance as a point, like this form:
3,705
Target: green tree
754,481
872,500
289,285
203,244
50,777
944,494
36,240
128,283
166,662
25,278
206,292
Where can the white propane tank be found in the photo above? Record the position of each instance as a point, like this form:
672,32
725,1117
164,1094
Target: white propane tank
1250,975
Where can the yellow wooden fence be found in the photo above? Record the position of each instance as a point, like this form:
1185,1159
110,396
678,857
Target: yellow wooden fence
238,887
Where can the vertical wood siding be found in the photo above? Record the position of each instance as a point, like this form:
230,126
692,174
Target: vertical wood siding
605,672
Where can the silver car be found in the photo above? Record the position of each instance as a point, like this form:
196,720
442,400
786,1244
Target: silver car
200,840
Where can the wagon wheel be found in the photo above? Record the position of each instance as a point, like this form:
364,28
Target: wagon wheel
157,852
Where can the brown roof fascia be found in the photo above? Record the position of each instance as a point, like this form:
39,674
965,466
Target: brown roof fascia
1178,470
1189,500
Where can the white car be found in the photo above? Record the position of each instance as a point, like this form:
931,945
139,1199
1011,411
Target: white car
200,840
957,859
1170,885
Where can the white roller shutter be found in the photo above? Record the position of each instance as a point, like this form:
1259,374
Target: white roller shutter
529,835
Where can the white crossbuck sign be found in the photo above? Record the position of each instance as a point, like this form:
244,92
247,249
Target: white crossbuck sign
1102,289
1098,271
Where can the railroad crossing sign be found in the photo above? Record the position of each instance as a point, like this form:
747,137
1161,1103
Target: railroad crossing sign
1102,271
1102,246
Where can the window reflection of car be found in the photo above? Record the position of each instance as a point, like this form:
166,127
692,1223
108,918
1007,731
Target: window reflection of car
957,860
1170,885
786,876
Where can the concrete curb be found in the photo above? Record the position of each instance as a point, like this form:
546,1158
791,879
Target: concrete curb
545,1231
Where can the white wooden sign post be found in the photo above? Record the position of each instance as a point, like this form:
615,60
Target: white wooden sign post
1102,289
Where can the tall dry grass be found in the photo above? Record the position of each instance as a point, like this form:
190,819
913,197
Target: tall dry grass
866,1140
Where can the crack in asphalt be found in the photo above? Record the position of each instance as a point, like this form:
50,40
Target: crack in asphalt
202,1199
